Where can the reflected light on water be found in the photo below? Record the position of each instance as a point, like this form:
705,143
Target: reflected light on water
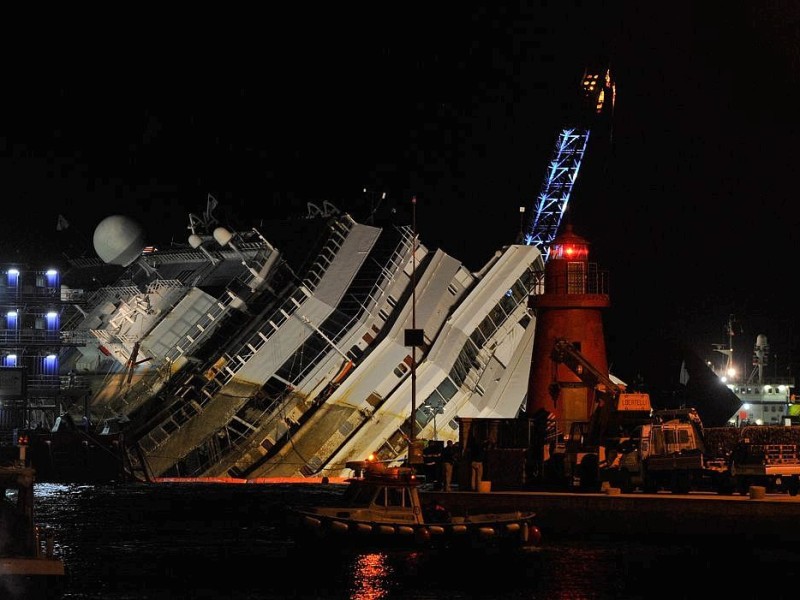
370,575
46,490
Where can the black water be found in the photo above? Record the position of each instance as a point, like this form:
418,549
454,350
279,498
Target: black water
215,541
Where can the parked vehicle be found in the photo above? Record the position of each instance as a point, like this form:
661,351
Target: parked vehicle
673,453
667,453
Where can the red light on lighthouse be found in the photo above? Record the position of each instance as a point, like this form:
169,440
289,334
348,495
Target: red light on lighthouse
570,247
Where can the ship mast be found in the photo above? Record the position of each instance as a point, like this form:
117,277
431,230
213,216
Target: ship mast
728,370
415,335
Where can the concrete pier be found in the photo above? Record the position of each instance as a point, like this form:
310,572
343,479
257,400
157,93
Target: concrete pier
744,517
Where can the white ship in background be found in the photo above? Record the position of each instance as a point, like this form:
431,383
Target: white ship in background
766,397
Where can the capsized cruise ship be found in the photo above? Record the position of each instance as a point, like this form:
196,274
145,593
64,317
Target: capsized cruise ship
289,352
238,355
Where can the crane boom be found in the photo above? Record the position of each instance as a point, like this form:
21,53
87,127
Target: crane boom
566,159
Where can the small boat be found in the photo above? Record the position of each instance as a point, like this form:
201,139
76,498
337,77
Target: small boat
381,508
28,567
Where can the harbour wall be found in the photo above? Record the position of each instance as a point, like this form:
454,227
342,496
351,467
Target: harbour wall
772,518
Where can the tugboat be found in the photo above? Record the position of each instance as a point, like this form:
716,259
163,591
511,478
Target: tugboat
381,509
28,567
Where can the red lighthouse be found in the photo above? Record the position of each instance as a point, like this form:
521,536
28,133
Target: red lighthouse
575,292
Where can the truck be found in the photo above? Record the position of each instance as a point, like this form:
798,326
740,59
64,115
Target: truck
668,452
762,455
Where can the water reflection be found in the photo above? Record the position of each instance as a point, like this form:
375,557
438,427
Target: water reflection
369,577
48,490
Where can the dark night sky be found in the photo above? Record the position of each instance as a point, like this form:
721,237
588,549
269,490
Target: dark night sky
689,205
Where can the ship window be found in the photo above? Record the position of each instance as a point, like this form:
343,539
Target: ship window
498,316
423,415
383,315
392,302
447,389
460,368
400,370
452,289
508,304
395,497
487,327
478,338
360,496
518,291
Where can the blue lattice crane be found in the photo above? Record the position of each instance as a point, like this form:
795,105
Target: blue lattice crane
598,96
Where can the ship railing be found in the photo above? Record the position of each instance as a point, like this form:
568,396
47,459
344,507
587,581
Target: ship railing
110,294
106,337
102,335
86,262
14,337
73,295
596,281
340,230
396,262
159,285
753,386
74,337
173,256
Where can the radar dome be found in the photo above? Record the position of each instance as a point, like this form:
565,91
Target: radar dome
118,240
